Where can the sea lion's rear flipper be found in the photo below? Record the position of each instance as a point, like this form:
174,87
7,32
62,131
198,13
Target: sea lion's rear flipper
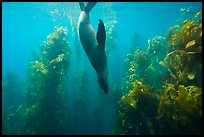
90,6
101,34
81,4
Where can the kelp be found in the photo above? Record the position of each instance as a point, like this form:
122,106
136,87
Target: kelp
45,85
177,111
137,111
181,109
191,31
180,104
144,64
184,59
176,106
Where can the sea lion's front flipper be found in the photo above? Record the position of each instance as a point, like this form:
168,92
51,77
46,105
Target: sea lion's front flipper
101,34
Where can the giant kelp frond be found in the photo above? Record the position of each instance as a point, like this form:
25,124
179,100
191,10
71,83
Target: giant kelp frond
188,37
136,108
185,51
182,108
144,64
45,84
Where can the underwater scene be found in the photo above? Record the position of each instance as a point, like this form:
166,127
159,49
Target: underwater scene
105,68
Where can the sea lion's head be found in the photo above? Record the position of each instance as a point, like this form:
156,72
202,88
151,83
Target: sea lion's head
103,82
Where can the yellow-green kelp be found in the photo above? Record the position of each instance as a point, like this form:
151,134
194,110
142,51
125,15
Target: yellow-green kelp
145,64
176,106
137,111
45,92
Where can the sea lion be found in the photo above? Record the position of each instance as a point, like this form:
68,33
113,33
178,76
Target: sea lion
94,44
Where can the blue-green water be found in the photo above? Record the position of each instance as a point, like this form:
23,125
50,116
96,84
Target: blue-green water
86,109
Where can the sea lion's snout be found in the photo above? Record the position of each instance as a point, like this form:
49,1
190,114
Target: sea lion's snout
106,89
103,84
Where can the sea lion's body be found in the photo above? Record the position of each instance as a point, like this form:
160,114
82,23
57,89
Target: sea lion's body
94,44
